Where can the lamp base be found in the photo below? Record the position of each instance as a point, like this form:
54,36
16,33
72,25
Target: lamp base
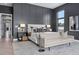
41,50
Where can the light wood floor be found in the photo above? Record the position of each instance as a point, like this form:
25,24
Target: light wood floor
6,47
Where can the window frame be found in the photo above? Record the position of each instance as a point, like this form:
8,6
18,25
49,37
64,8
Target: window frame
60,18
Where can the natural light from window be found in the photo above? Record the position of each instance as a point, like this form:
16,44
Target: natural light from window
60,19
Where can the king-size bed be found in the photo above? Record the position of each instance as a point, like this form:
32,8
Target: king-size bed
47,38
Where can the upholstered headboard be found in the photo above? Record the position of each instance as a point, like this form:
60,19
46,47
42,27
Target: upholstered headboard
32,27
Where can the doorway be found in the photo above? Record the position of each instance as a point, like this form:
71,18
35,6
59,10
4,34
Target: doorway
8,29
6,26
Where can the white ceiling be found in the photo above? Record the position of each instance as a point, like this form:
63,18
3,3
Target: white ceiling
6,4
48,5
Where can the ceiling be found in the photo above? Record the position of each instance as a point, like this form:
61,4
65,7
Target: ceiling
6,4
48,5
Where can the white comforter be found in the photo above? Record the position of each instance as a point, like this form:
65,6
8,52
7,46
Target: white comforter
44,35
49,39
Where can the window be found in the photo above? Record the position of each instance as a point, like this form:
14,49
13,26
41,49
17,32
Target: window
60,14
60,20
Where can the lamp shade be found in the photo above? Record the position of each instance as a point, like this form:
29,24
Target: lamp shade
48,26
22,25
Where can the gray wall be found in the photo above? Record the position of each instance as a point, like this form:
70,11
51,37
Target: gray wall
6,9
30,14
27,13
71,9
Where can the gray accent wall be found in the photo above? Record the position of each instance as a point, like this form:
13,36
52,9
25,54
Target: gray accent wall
30,14
6,9
71,9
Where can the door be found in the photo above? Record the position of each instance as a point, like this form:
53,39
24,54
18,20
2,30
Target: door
8,30
6,25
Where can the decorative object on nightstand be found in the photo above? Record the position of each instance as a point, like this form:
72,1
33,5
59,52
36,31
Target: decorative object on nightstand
21,36
22,33
24,38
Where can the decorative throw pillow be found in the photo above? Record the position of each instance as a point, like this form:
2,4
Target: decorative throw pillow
60,33
65,34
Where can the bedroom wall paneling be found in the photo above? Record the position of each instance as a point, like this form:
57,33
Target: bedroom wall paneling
30,14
